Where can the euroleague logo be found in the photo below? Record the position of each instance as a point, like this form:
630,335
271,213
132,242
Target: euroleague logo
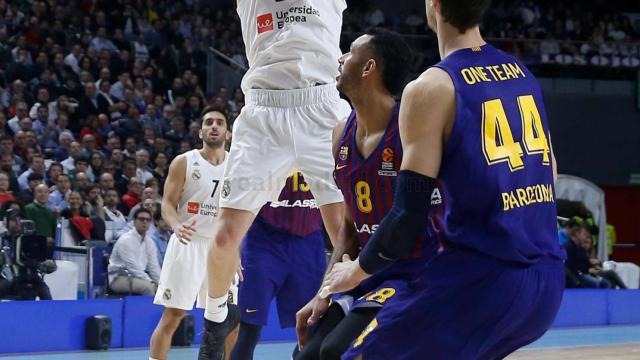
265,23
387,155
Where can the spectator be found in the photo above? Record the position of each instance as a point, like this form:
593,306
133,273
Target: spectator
26,196
161,235
142,161
135,253
147,194
44,219
578,263
36,167
75,151
134,191
59,194
113,211
5,194
128,171
106,182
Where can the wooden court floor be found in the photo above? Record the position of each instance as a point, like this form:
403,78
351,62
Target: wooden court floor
606,352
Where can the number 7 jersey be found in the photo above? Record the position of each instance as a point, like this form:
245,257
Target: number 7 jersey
201,193
496,173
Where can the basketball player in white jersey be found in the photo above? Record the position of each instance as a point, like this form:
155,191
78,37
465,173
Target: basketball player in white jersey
292,104
190,206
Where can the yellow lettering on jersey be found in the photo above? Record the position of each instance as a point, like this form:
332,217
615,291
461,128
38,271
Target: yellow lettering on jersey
521,197
491,73
517,71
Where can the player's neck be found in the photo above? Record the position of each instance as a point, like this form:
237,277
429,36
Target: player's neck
214,156
450,39
373,112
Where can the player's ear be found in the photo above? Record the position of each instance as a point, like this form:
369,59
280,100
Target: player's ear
369,67
200,134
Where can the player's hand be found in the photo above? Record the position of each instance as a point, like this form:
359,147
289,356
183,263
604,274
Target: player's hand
239,271
184,232
344,276
309,315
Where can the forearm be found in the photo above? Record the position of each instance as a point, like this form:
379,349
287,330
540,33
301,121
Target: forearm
170,214
405,223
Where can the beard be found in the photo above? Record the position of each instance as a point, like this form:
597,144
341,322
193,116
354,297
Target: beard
214,144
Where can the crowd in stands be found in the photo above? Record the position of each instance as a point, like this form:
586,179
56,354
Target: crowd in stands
96,98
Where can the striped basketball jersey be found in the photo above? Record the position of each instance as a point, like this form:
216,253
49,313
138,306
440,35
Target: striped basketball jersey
199,199
295,212
496,170
368,185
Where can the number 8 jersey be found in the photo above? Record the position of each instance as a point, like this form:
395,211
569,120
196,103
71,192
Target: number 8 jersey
201,194
368,185
496,173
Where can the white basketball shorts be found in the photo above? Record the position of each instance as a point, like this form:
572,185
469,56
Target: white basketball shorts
277,133
183,279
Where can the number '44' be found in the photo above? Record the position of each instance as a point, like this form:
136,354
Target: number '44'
497,139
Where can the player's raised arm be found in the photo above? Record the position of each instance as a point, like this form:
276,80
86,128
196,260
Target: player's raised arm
172,190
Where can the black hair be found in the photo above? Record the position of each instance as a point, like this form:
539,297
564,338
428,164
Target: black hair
141,210
393,56
464,14
209,108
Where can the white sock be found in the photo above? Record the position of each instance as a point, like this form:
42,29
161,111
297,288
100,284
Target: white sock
216,309
150,358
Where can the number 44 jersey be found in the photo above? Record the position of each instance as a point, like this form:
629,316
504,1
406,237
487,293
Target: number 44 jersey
496,172
201,193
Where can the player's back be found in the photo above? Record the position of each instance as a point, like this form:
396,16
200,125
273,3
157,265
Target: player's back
496,171
291,44
296,211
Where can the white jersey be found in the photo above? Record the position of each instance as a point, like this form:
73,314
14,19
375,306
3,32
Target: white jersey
200,195
291,44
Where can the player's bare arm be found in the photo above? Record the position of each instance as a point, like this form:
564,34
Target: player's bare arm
426,117
172,190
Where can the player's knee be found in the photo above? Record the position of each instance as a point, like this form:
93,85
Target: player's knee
227,239
172,318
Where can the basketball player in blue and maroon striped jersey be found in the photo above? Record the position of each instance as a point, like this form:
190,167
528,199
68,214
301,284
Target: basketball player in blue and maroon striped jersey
476,122
368,153
283,257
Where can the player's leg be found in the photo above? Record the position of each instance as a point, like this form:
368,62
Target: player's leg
230,342
255,172
265,265
338,340
247,341
326,324
163,333
313,145
182,277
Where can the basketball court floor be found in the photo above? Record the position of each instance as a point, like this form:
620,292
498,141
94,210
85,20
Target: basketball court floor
601,343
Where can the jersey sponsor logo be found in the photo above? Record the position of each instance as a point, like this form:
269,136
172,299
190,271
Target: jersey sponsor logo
295,14
193,207
309,203
344,153
436,197
196,175
226,189
265,23
366,228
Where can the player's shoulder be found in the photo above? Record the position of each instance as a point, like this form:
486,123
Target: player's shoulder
433,81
